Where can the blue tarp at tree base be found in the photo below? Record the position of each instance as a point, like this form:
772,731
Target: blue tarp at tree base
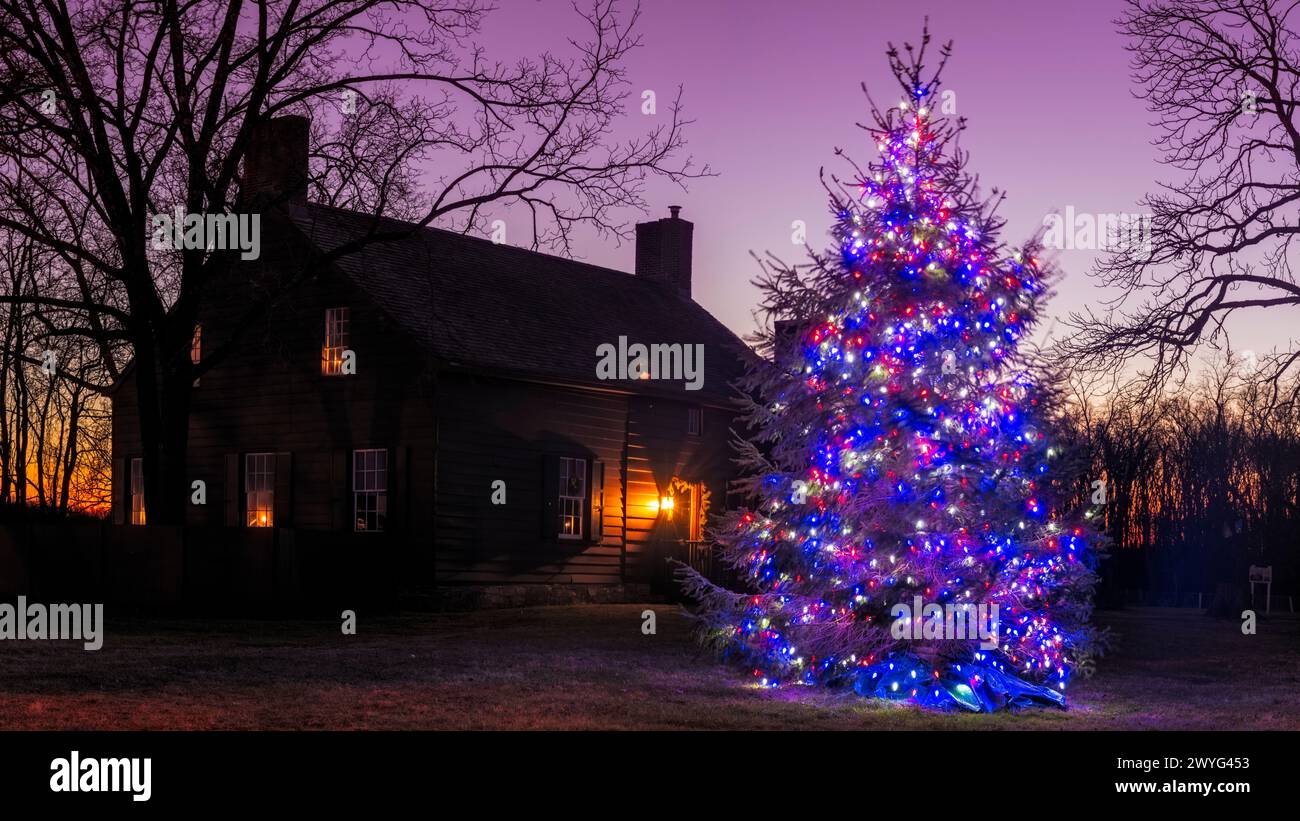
974,687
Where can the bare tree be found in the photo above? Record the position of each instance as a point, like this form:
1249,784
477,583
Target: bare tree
49,416
1196,486
1221,77
112,112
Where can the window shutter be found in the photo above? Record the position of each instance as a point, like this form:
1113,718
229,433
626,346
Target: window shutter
550,496
597,516
340,485
283,501
397,487
233,490
121,490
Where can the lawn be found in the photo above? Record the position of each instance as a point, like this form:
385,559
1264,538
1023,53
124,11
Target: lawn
589,667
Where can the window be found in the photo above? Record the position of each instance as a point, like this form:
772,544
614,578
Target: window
336,341
573,496
137,491
196,349
370,489
259,489
694,421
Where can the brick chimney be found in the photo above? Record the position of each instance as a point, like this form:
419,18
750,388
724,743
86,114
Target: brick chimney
663,251
275,163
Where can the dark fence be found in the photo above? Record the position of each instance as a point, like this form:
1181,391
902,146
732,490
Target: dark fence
1200,601
236,570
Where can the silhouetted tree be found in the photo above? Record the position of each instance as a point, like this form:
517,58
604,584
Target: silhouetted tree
112,112
1221,77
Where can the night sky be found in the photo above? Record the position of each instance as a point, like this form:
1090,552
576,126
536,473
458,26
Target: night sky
774,89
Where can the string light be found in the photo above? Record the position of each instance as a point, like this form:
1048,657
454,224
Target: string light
925,474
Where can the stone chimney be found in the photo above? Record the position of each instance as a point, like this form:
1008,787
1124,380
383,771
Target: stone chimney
663,251
275,163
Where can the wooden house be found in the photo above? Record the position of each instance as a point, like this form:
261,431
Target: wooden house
449,401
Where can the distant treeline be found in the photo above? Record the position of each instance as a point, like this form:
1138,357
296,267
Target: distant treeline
1199,484
55,424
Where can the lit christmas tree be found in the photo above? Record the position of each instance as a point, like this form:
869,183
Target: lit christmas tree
903,456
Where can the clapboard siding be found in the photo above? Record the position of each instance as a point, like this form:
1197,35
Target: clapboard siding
494,429
451,432
269,395
485,429
659,449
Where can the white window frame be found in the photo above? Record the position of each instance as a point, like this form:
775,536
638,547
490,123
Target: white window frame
571,508
369,490
259,489
338,326
136,478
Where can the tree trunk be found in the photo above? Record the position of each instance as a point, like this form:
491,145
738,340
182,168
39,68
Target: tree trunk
1228,601
21,422
164,402
72,452
175,449
6,362
42,433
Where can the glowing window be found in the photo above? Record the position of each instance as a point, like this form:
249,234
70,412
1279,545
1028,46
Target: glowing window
336,341
137,491
196,348
259,489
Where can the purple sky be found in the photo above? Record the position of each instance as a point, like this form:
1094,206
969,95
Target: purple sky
774,88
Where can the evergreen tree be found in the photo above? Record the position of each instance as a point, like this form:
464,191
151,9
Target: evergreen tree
901,454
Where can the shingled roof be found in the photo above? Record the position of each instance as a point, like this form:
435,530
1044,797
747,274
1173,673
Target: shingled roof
514,312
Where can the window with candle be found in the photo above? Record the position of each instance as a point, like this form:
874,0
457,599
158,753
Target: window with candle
137,491
259,489
337,321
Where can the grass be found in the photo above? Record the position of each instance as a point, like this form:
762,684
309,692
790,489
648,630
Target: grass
590,667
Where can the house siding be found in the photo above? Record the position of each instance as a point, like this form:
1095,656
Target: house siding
269,395
450,432
496,429
659,450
